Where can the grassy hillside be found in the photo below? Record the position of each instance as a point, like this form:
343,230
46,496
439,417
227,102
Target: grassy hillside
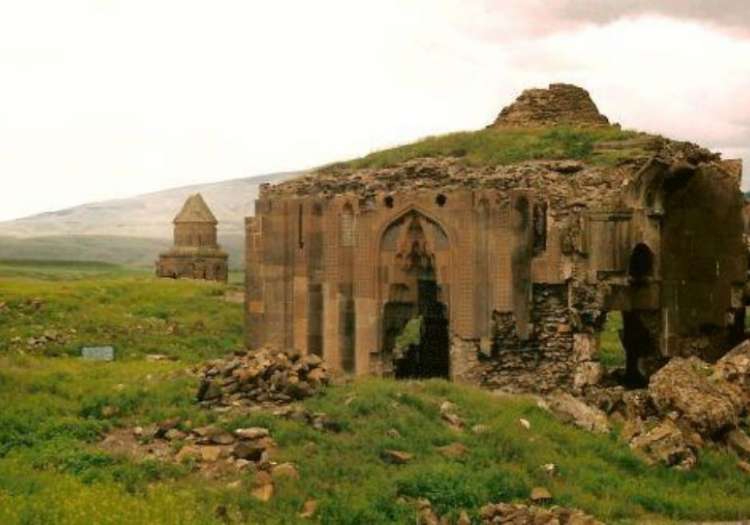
55,408
493,146
131,251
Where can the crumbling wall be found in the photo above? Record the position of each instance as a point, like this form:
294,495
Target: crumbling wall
559,104
540,363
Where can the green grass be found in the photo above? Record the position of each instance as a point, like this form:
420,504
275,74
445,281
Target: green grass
97,304
491,147
53,414
120,250
611,352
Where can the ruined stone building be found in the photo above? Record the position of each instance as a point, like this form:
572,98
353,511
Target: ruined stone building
502,273
196,253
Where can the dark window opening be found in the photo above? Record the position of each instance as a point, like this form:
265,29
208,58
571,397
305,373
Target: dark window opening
440,200
388,201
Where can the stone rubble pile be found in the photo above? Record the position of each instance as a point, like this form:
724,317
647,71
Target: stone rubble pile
261,377
688,404
215,451
520,514
558,104
242,448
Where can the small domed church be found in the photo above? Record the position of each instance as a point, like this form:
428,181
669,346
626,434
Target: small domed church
196,253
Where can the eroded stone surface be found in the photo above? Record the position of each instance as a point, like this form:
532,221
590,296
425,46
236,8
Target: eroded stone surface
558,104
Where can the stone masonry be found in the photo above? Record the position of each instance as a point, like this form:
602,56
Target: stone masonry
508,272
196,253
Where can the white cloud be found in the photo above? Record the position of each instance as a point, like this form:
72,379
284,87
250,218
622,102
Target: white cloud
103,98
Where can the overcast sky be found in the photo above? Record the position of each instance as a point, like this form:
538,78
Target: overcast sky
106,98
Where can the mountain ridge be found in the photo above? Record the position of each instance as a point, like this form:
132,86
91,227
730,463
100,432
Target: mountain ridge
147,215
133,230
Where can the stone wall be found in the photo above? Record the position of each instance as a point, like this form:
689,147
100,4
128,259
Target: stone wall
542,362
525,260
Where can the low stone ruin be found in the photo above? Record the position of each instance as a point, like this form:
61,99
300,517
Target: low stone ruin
520,514
212,450
261,377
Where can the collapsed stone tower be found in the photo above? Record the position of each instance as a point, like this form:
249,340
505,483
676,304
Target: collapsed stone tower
499,266
196,253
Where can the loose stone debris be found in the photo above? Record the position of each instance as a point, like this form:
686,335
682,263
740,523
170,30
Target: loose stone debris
261,377
212,450
687,405
519,514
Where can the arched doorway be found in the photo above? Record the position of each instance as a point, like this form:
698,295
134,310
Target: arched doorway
415,335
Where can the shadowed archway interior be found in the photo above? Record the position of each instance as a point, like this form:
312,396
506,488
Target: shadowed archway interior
415,321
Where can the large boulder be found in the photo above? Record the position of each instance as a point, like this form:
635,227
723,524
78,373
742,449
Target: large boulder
703,402
733,372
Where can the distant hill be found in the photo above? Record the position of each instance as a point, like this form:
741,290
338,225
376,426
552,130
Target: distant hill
132,230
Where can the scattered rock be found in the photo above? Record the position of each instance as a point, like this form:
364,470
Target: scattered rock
263,488
309,509
188,452
453,420
222,438
516,513
210,454
480,429
744,466
540,495
252,433
426,516
158,357
453,451
175,434
463,519
396,457
285,470
575,411
448,413
525,423
549,468
165,426
664,443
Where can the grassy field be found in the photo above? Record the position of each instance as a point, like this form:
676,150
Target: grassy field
505,146
55,408
120,250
